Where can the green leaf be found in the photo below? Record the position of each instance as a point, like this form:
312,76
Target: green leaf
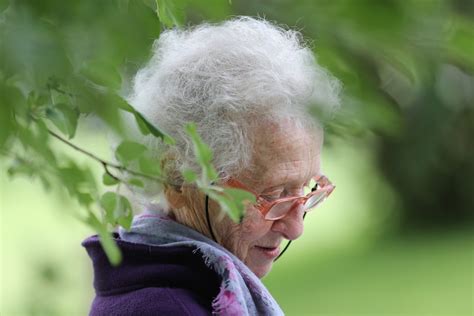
145,127
117,208
239,196
104,102
124,208
202,151
128,151
10,98
36,99
205,153
226,205
136,182
28,168
124,105
35,137
189,176
459,45
108,202
64,118
167,13
149,166
79,182
102,73
126,214
45,182
110,247
143,122
108,180
142,126
231,201
20,167
237,200
84,199
108,244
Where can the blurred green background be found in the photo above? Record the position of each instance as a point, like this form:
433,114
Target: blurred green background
395,238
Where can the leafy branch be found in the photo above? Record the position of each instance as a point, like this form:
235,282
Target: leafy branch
232,201
55,90
106,165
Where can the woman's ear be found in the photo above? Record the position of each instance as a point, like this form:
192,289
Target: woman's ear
175,197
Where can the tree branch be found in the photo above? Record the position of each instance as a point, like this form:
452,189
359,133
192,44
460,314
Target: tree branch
107,171
103,162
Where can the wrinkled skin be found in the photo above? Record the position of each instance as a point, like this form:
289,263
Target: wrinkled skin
286,159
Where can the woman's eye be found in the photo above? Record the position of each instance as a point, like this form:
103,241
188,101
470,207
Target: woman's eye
271,197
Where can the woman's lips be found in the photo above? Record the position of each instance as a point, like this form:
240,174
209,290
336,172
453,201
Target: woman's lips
269,252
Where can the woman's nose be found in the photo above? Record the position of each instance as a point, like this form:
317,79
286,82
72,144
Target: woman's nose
291,226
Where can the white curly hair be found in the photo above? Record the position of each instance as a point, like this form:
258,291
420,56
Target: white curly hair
227,78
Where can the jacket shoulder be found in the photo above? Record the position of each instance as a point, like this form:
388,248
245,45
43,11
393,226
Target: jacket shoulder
150,301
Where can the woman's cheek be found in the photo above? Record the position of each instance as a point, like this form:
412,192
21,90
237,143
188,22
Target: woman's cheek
254,225
239,238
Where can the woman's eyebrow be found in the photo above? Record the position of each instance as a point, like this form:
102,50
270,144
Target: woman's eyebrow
285,187
288,182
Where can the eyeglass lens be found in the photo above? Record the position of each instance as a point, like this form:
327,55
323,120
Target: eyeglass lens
315,200
279,209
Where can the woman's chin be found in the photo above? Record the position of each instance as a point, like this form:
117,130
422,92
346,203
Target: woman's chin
259,263
261,271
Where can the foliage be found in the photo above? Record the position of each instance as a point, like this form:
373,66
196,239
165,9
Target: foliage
406,67
231,201
49,83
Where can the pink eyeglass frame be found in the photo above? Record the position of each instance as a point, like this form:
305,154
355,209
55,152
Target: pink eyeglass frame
264,206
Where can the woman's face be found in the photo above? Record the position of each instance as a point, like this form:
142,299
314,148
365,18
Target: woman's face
285,159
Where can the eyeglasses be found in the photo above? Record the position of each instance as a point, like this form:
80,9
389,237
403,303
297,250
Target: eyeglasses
318,190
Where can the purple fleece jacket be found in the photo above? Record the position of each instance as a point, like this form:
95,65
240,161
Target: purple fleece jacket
151,280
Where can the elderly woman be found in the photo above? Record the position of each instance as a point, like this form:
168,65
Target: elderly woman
246,84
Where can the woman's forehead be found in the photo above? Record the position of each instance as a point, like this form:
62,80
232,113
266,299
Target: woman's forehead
285,156
289,172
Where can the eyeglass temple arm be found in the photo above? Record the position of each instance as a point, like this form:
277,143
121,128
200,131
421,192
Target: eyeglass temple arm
209,220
